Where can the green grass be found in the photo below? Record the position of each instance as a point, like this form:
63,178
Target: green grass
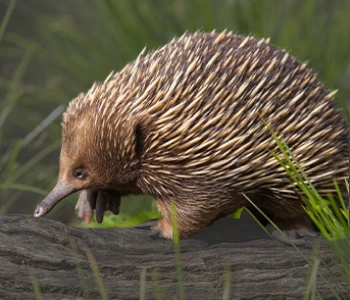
159,292
83,283
177,253
331,220
227,286
36,288
6,18
99,281
330,215
143,284
311,289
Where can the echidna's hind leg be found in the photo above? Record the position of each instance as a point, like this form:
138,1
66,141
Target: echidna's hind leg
164,224
296,237
190,218
293,230
294,225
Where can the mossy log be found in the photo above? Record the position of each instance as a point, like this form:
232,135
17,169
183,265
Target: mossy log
45,255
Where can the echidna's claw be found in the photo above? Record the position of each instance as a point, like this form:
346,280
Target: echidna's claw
114,201
102,201
92,198
115,206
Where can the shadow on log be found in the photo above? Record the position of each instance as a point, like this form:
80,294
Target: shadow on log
41,250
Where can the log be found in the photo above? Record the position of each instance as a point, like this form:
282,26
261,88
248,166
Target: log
47,255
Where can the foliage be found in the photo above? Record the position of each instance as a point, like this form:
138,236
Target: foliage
331,215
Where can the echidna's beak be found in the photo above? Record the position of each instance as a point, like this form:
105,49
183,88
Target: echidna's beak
60,191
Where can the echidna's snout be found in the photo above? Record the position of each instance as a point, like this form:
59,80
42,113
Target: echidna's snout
60,191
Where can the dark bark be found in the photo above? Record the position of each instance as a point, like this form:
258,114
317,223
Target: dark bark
260,268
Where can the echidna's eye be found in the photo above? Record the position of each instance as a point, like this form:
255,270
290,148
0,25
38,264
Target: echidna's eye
78,173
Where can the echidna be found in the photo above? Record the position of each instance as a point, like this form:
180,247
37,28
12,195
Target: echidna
189,124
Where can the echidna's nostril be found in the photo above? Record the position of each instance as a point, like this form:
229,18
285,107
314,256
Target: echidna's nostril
37,212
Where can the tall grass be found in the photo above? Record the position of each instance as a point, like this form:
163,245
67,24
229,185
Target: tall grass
311,283
8,160
36,287
330,215
177,253
99,281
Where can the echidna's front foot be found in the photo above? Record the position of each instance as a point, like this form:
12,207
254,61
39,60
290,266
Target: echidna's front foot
83,207
101,201
297,237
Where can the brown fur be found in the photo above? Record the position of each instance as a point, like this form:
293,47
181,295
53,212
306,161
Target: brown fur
184,124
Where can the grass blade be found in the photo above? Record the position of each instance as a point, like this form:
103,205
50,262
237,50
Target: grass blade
310,292
143,285
36,287
101,287
227,287
159,293
43,125
80,271
23,187
177,250
6,18
12,95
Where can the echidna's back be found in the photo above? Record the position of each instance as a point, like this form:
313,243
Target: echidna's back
209,96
